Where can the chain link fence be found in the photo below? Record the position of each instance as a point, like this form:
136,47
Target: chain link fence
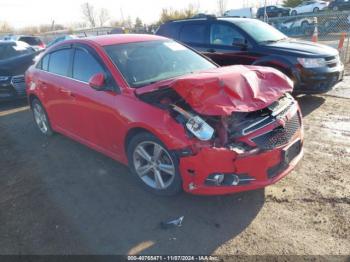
332,29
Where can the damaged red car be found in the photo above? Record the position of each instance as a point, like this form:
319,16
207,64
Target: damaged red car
177,119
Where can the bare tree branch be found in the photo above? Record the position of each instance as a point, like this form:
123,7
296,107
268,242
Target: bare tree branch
222,6
103,16
89,14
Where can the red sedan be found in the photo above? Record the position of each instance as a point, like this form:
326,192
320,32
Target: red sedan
177,119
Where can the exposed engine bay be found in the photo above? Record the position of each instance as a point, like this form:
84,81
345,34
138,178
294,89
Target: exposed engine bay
223,131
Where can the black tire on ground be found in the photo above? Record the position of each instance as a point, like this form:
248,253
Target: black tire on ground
36,107
147,140
335,8
294,13
316,10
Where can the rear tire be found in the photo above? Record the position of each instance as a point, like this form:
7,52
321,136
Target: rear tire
154,166
40,117
294,13
316,10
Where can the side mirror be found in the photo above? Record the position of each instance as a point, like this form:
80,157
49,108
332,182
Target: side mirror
239,42
97,82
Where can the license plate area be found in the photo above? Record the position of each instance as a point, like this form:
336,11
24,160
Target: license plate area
291,152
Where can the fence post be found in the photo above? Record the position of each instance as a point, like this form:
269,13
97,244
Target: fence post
347,49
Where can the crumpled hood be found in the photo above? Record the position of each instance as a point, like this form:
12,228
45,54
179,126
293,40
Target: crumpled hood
238,88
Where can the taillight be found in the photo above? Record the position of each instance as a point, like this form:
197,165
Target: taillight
42,45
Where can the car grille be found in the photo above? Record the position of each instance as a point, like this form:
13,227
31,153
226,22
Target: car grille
280,135
19,84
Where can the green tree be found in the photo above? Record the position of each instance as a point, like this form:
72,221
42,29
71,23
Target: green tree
168,14
292,3
138,22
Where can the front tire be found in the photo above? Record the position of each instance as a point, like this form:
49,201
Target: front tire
316,10
294,13
154,166
41,118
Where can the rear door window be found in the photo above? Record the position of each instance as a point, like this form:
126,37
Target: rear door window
193,33
59,62
85,66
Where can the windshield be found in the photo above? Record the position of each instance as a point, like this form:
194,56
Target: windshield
143,63
260,31
11,49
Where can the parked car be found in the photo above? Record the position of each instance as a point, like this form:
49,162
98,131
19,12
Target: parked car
295,22
339,5
295,26
314,68
309,7
60,39
272,11
33,41
249,12
177,119
15,58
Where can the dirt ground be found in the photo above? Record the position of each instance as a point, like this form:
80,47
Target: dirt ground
59,197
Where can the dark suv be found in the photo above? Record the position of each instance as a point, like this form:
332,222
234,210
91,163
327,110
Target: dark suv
272,11
15,58
314,68
339,5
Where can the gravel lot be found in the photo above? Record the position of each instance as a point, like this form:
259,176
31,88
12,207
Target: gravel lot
59,197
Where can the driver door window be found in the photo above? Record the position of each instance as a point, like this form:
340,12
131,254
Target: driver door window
85,66
224,35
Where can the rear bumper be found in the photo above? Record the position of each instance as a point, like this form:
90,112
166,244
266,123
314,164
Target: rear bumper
318,80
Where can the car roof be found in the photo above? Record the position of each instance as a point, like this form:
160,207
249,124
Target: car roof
106,40
228,19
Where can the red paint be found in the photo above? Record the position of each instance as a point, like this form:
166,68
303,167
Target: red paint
103,119
232,89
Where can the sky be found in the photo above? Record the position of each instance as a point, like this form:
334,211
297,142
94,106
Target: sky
21,13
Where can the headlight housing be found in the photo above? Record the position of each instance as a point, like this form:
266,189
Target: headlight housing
200,128
312,62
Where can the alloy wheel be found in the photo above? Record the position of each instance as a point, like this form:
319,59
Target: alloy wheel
154,165
40,118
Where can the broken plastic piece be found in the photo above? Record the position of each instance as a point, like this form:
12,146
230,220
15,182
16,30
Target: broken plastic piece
172,223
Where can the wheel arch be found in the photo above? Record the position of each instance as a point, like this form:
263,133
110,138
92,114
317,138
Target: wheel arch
31,97
282,65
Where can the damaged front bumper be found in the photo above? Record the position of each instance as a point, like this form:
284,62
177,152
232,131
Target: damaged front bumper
255,171
220,170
